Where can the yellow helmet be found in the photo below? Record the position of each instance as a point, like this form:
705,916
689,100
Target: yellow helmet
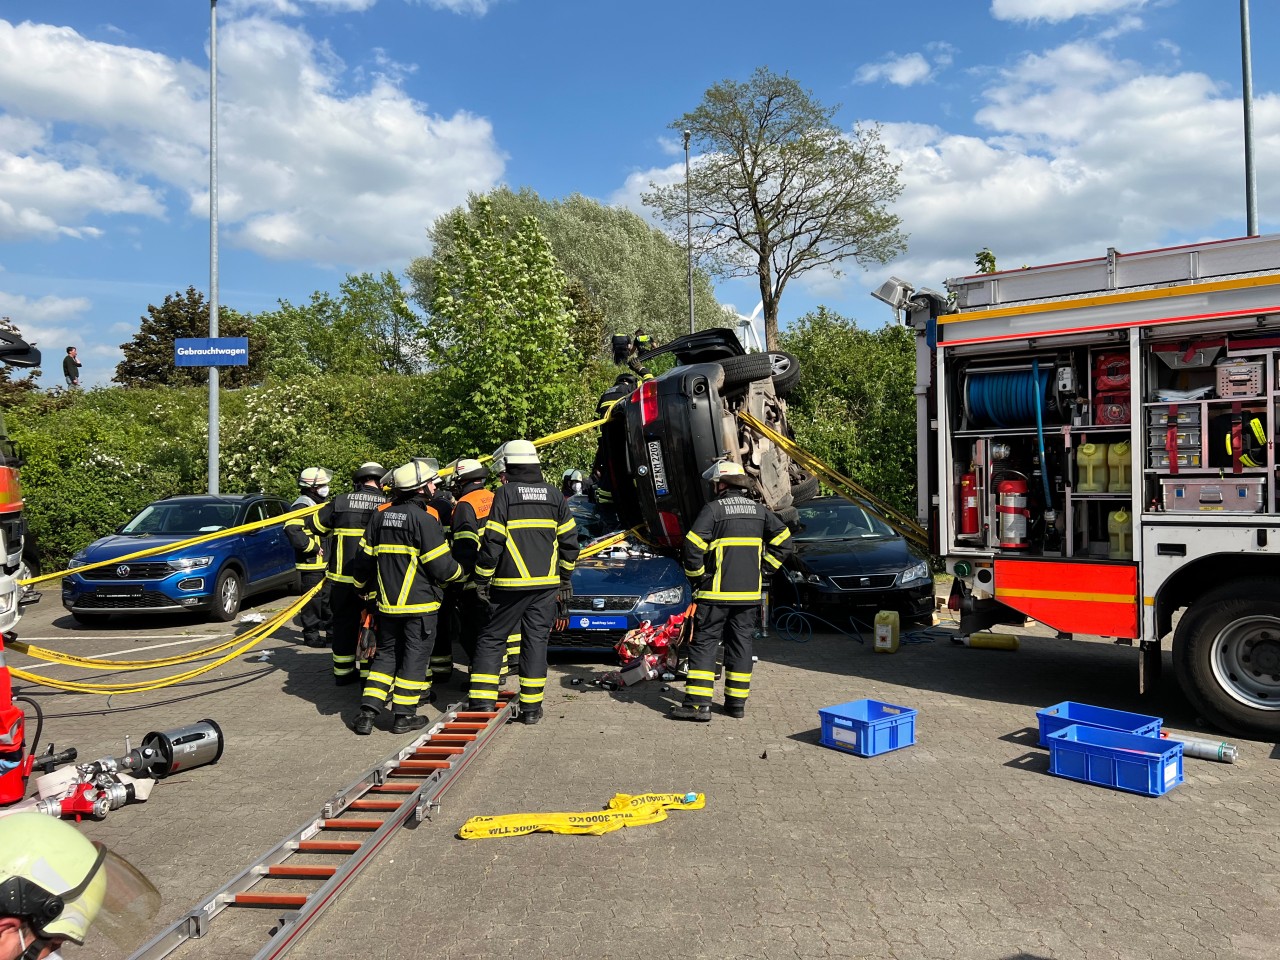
59,881
722,470
413,476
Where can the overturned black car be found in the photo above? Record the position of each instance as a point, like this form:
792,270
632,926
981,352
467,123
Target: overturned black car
669,429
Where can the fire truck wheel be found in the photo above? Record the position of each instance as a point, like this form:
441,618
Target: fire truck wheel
1226,651
227,595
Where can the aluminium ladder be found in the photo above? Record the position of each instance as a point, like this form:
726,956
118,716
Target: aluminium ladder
404,787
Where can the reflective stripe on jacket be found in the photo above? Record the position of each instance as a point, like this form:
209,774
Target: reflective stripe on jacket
530,540
306,540
725,548
404,547
345,519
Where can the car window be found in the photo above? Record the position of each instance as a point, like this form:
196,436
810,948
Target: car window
273,508
256,512
183,518
839,519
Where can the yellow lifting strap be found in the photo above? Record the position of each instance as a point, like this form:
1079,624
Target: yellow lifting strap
849,489
624,810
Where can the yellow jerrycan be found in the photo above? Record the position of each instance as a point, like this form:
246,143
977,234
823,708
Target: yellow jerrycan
886,632
1091,468
1120,468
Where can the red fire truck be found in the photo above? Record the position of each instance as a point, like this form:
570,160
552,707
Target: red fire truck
1096,453
14,352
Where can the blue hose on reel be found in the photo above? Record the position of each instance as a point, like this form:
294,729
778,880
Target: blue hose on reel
1007,399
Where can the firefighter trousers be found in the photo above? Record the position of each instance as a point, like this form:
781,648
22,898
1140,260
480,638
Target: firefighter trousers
345,608
314,617
447,629
398,672
734,624
472,614
529,614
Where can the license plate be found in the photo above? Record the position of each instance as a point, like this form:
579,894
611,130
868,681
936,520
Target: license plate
120,590
598,623
659,468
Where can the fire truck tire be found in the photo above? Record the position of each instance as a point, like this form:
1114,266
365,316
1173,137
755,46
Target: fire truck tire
1226,651
740,371
227,595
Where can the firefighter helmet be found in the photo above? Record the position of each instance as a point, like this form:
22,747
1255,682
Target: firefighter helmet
59,882
468,469
723,471
519,451
413,476
368,471
314,477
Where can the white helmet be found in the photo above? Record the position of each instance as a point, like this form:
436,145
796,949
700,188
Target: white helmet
314,477
468,469
413,476
722,470
520,451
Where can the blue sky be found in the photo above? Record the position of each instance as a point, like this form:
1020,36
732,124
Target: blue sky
1044,129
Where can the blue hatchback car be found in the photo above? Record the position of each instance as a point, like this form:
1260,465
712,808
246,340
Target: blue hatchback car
215,576
616,590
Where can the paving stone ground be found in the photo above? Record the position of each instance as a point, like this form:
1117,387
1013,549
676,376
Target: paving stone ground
962,846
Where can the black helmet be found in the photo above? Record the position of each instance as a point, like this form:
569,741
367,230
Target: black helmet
368,472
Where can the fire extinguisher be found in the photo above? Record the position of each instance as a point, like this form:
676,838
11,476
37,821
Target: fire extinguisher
1012,507
968,504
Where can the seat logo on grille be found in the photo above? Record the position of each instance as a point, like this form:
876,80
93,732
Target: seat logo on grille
864,582
597,603
122,571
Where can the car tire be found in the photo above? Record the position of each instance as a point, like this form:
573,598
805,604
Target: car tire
786,371
788,515
805,490
228,593
740,371
91,619
1215,656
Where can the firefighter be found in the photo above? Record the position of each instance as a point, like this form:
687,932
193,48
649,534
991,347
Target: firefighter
600,486
572,484
405,553
469,516
527,553
344,520
54,884
309,554
730,542
442,505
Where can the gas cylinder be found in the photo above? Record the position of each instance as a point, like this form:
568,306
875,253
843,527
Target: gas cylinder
1091,468
968,503
1120,468
1012,508
1120,527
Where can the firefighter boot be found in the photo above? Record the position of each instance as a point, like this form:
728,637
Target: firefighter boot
408,722
700,712
531,715
363,724
735,707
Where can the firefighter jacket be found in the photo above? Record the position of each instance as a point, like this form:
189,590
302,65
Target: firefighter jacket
442,503
306,540
404,549
730,542
469,518
344,519
530,540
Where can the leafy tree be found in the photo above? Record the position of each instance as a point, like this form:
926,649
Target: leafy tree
149,359
499,333
854,406
985,260
12,387
366,330
780,189
620,268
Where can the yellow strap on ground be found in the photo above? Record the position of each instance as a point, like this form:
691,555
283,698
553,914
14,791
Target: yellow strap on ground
244,643
851,490
170,547
623,810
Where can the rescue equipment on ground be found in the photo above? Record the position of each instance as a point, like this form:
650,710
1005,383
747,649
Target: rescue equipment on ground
646,652
624,810
990,641
886,632
1202,749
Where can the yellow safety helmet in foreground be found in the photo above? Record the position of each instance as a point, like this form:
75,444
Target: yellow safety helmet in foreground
723,470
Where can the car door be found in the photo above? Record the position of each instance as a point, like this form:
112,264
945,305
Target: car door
276,544
255,550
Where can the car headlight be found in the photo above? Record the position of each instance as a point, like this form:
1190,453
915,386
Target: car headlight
918,572
669,595
190,563
7,600
76,562
799,576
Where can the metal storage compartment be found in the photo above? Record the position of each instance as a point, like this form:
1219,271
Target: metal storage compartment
1213,494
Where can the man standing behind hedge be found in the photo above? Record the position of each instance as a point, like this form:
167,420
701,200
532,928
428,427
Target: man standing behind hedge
71,367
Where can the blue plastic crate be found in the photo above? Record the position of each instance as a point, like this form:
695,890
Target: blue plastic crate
868,727
1060,715
1147,765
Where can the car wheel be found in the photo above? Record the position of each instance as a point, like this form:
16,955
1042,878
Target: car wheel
788,515
227,594
805,490
1226,652
786,372
740,371
92,619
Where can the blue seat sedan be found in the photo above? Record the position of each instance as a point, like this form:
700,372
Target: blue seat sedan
618,589
216,576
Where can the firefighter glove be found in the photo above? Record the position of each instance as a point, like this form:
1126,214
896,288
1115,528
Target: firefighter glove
482,591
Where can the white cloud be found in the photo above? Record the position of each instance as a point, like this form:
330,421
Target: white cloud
476,7
904,71
308,170
641,181
1056,11
47,321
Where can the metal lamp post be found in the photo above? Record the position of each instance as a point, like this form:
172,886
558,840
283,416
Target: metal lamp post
688,225
213,240
1250,176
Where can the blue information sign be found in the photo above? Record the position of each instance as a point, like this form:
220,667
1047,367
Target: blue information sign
211,351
